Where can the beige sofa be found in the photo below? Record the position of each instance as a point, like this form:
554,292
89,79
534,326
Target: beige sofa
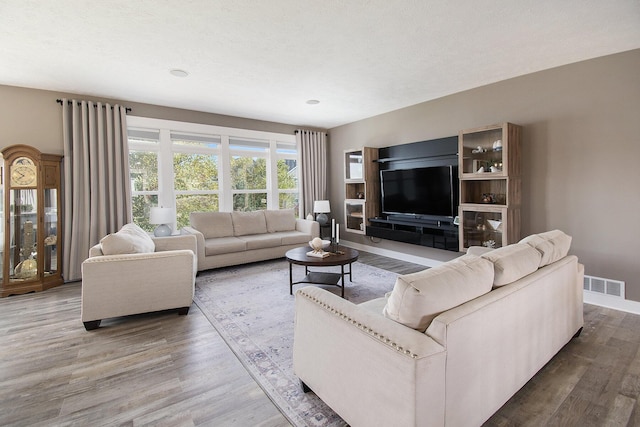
231,238
129,272
449,345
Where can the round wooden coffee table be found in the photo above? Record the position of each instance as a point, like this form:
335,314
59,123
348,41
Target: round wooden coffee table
342,257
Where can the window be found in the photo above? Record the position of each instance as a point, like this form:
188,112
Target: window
196,167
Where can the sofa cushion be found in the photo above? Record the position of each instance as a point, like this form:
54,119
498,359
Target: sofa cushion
261,241
418,298
280,220
212,224
552,245
224,245
131,239
512,262
245,223
294,238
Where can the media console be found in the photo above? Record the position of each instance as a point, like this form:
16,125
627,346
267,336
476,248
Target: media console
432,232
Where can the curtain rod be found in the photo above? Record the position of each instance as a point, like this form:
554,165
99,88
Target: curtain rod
305,131
59,101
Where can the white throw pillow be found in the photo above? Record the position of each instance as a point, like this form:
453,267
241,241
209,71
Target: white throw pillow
131,239
418,298
552,245
512,262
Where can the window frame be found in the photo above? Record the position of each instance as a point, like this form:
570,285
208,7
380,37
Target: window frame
165,149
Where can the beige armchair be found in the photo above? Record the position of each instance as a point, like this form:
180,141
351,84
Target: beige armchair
131,283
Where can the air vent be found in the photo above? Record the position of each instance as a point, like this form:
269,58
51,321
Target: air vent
613,288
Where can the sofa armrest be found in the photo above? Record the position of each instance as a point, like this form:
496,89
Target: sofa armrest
343,352
308,227
172,243
199,243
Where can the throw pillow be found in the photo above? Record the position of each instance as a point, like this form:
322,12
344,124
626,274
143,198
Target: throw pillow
212,224
245,223
512,262
418,298
280,220
131,239
552,245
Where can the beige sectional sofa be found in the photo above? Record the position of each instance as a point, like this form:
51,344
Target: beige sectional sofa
449,345
231,238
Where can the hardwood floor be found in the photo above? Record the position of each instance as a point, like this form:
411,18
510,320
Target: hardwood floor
162,369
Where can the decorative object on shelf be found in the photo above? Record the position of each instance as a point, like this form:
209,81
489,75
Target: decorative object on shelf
497,145
489,244
488,198
478,150
360,195
495,225
163,217
481,170
321,208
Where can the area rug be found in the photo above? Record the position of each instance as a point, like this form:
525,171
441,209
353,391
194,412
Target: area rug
251,308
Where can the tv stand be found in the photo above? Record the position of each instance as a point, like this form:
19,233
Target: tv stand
431,231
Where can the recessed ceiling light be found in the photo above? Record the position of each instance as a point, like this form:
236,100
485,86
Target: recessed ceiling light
178,73
313,102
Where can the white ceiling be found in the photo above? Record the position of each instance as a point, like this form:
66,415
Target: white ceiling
265,59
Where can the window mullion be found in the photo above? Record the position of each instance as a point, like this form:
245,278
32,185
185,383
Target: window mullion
224,176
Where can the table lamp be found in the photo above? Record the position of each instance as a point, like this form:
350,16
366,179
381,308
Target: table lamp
321,208
162,216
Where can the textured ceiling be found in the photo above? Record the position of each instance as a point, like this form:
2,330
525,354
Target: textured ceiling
265,59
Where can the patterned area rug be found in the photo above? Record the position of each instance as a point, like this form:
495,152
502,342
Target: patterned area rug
251,308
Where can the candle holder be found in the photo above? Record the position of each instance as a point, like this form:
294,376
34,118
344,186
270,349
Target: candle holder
334,245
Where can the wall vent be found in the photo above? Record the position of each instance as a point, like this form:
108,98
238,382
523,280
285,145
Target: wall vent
614,288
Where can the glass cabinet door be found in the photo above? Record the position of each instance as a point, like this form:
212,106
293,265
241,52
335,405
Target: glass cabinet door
23,241
51,265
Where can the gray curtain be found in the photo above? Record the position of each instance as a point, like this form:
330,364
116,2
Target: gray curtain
97,196
313,147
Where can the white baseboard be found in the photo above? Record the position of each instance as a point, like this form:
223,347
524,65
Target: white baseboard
589,297
607,301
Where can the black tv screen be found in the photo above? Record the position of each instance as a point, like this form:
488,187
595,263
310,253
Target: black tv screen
420,191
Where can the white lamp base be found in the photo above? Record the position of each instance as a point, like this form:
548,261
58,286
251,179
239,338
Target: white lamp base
163,230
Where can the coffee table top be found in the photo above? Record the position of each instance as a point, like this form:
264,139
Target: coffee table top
299,256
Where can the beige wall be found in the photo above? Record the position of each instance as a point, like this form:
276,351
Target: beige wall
581,162
31,116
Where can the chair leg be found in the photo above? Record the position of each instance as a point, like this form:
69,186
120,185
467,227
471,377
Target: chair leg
183,311
91,325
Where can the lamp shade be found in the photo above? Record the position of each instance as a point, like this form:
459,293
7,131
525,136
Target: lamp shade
321,206
161,215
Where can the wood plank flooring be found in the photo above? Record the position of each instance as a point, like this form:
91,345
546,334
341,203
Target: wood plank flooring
162,369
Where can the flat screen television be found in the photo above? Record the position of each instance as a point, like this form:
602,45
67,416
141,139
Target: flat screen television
420,191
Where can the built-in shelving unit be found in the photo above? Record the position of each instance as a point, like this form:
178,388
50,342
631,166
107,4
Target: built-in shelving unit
490,185
362,188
